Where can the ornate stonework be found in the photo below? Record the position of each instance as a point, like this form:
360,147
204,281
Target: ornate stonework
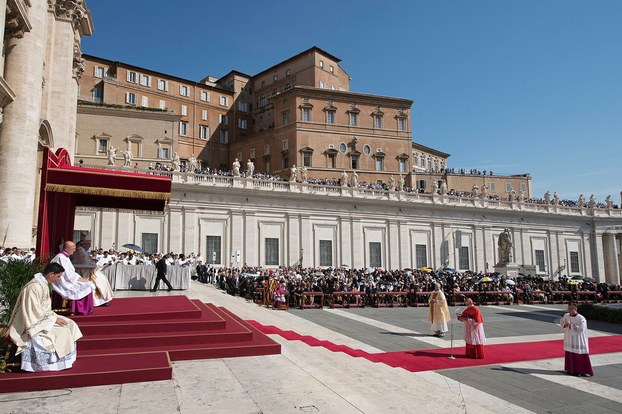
69,9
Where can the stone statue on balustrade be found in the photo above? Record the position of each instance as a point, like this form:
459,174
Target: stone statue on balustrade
391,185
355,179
581,201
250,168
127,158
443,187
293,176
401,183
112,155
435,187
547,198
609,202
512,196
176,162
192,163
344,179
474,191
591,202
505,247
521,196
303,174
235,167
484,191
555,199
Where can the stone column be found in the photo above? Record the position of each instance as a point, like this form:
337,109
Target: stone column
175,231
236,237
598,258
293,241
393,261
405,246
250,253
479,250
612,265
305,241
357,246
344,254
190,231
20,130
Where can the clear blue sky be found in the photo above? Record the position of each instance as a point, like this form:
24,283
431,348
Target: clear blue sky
530,86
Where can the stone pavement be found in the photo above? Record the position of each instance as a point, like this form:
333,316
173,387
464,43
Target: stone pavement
305,379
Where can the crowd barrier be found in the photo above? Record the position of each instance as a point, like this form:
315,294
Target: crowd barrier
142,277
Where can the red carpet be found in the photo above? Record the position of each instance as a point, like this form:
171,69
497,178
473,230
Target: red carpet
135,339
438,358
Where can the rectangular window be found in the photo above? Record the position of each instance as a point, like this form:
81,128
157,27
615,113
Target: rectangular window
306,159
162,104
150,242
322,85
144,101
204,96
99,72
375,254
242,123
213,246
98,94
102,145
330,117
306,115
354,119
244,106
463,258
203,131
224,137
163,85
145,80
184,110
251,153
574,262
493,186
285,159
402,166
223,119
540,263
401,124
130,98
377,122
223,101
332,161
331,69
272,252
164,153
508,187
326,252
285,118
354,162
131,76
379,163
523,187
183,90
266,149
204,115
183,128
421,255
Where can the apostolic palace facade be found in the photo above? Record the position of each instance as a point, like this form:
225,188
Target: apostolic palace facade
337,179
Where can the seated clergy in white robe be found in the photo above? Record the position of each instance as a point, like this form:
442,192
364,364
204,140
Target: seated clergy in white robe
45,341
71,285
88,269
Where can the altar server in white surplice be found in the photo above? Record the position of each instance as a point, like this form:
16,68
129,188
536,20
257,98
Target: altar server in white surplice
577,352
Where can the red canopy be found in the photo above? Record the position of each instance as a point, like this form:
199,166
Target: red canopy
63,187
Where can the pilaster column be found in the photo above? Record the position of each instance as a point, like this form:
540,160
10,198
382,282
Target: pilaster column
293,241
190,231
344,254
393,241
236,236
612,265
598,258
20,130
305,241
175,230
250,253
357,246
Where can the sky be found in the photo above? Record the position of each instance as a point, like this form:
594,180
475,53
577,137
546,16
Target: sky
529,86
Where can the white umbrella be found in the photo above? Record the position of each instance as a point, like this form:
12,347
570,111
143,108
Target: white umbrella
510,282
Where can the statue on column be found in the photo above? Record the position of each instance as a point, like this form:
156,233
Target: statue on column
355,179
505,247
581,201
512,196
293,174
484,191
176,162
236,168
555,199
435,187
609,202
192,163
547,198
591,202
128,158
112,154
474,190
344,179
303,173
250,168
443,187
391,183
521,196
401,183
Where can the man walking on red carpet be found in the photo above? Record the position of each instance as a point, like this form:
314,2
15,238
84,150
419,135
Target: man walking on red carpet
473,330
577,358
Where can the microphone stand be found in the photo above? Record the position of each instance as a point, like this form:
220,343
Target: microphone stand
451,335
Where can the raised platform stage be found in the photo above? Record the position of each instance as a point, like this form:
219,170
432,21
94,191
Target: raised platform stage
135,340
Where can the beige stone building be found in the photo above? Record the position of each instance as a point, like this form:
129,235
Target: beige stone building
39,72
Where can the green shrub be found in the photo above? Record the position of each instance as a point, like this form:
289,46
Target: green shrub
600,313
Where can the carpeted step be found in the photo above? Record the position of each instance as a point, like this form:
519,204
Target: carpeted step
163,326
93,370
